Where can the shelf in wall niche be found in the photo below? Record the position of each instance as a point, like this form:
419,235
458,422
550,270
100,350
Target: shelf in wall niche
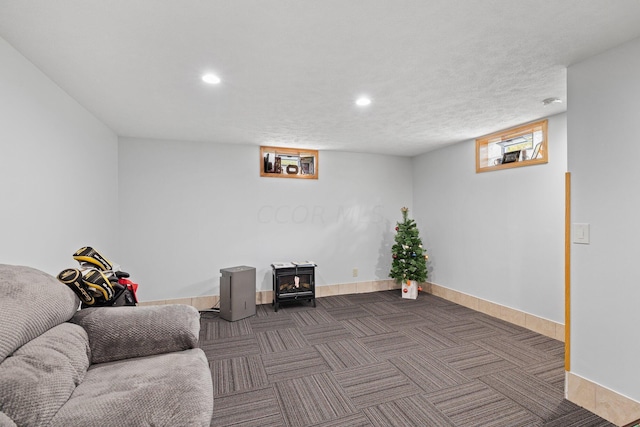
524,145
280,162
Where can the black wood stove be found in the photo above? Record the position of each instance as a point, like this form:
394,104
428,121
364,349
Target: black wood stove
293,282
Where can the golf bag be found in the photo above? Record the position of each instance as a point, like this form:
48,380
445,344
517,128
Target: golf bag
97,282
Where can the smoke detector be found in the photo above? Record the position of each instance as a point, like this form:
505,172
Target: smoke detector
550,101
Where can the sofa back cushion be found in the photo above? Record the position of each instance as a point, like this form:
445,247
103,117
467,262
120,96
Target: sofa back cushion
39,377
31,302
117,333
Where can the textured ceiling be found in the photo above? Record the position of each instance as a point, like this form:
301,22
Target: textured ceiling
438,71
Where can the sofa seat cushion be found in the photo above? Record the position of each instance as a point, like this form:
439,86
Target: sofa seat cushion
172,389
39,377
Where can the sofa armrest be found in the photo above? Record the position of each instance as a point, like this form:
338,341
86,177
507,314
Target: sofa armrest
124,332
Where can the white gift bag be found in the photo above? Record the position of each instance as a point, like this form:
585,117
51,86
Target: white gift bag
410,289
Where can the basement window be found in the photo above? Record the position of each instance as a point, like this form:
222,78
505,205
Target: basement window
519,146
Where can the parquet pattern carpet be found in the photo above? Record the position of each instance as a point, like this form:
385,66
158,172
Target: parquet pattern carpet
376,359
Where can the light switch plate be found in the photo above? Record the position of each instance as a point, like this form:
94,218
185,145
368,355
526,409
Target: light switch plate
581,234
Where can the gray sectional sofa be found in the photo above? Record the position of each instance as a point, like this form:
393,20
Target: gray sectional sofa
102,366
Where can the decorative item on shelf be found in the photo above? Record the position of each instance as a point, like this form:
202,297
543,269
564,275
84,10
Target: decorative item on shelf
536,150
267,163
510,157
287,162
307,165
409,265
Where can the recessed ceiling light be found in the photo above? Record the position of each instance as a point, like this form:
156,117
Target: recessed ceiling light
211,79
550,101
363,101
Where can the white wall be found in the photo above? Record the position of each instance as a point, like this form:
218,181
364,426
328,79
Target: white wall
604,148
190,209
497,235
58,171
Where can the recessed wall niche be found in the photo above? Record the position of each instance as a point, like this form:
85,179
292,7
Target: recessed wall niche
519,146
280,162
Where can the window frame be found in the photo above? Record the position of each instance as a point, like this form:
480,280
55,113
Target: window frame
297,152
483,142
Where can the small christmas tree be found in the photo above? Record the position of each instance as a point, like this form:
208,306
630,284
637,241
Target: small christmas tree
409,258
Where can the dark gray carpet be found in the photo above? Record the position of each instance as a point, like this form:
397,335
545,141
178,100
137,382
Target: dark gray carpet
376,359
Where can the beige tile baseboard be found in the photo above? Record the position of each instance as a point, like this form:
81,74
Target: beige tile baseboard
537,324
520,318
606,403
266,297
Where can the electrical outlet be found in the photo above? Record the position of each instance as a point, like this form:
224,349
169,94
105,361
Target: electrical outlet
355,272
